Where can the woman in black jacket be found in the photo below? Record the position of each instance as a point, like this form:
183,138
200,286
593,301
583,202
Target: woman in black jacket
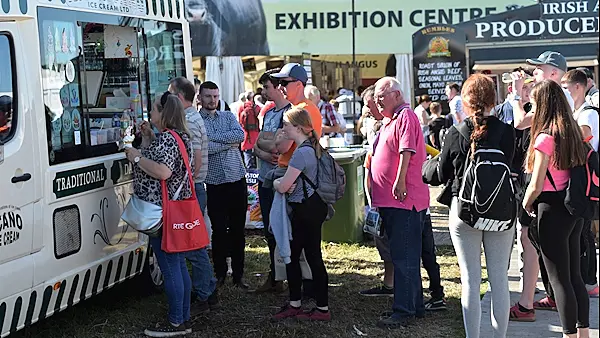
479,97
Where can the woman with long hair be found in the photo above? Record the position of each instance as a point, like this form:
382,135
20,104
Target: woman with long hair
161,159
557,146
486,131
307,217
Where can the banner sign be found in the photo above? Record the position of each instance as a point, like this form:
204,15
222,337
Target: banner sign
253,213
293,27
550,19
71,182
123,7
438,59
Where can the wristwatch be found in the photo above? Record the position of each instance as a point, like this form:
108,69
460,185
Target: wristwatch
137,159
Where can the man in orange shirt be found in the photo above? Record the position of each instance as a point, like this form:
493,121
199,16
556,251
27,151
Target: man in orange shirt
293,78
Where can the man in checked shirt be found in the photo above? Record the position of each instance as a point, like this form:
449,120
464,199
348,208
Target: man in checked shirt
225,186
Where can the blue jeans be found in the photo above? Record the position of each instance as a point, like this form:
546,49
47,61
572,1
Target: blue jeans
201,196
405,229
265,196
203,279
178,284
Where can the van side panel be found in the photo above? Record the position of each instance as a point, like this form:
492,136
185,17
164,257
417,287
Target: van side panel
48,298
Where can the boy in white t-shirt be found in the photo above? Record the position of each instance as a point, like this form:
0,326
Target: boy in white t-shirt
575,82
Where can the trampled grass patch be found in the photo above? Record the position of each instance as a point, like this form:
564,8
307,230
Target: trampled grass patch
124,311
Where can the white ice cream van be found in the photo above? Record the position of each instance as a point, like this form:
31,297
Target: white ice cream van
73,73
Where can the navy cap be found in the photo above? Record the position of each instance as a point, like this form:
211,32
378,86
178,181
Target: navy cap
293,70
550,58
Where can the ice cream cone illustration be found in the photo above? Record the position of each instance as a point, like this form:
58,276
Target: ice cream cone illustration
72,49
65,42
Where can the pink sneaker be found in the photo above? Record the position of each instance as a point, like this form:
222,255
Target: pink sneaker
314,315
516,315
286,312
545,303
592,290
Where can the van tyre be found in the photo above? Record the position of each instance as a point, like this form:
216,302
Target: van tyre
151,276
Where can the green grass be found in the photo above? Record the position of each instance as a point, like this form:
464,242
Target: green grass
124,311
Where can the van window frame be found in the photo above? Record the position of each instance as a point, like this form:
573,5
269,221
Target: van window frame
87,152
15,92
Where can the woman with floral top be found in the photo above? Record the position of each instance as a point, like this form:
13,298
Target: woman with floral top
161,159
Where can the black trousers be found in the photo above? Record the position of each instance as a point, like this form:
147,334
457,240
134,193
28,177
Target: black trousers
559,236
588,259
265,197
227,205
588,255
533,235
307,219
436,290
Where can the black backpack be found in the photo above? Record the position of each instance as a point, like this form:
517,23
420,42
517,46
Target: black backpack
486,198
583,193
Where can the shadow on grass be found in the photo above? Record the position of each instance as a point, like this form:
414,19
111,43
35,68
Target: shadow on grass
125,311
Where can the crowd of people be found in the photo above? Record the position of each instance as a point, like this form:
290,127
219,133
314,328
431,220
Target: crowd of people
544,128
537,130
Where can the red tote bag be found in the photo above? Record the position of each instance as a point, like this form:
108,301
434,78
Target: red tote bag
183,223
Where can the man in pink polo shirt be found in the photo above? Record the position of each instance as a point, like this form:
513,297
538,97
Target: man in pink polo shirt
401,197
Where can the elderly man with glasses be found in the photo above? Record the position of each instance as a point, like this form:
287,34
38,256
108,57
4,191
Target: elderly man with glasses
401,197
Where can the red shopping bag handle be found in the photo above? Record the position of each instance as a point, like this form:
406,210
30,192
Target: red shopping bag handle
186,161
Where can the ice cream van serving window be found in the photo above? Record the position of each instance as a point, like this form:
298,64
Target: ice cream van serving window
100,74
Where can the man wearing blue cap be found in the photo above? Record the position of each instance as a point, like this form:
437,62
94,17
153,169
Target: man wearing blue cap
292,81
548,66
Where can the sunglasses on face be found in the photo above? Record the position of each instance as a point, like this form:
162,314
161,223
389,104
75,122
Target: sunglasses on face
284,83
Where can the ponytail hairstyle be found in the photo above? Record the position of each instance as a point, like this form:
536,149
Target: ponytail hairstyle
478,97
424,98
299,117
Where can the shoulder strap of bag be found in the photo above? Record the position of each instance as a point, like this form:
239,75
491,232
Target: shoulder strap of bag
464,131
186,161
305,178
549,175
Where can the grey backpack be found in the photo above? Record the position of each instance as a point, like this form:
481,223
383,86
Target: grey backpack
331,180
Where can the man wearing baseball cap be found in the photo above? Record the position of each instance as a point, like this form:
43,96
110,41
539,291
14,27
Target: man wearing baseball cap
548,66
292,80
591,95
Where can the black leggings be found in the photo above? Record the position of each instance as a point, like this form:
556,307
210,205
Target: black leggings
559,240
307,219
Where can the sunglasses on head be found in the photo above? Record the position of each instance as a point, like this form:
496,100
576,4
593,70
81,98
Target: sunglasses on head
284,83
164,97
